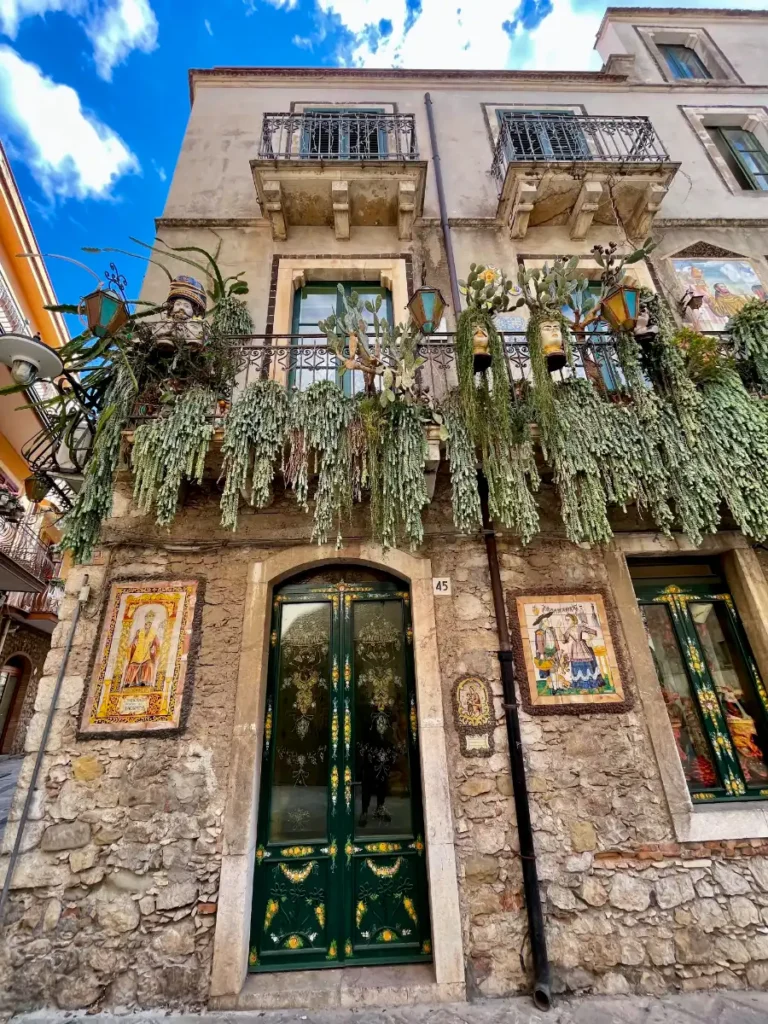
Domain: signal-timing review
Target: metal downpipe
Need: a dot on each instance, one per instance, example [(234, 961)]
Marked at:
[(455, 294), (542, 994), (82, 597)]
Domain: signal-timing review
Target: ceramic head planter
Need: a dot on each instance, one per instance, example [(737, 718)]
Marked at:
[(551, 339), (183, 322), (481, 349)]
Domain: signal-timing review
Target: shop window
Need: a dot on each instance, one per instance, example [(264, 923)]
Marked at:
[(683, 62), (714, 695), (310, 360)]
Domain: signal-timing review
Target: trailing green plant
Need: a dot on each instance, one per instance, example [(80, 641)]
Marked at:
[(93, 504), (663, 362), (254, 437), (168, 450), (403, 489), (460, 448), (735, 445), (749, 333), (319, 419)]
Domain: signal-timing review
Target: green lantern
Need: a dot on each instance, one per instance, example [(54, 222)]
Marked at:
[(105, 312), (426, 307), (36, 487), (621, 307)]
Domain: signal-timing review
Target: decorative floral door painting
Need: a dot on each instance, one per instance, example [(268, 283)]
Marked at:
[(340, 871), (715, 698)]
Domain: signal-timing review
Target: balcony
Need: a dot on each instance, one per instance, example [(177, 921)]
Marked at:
[(339, 169), (40, 610), (25, 561), (558, 169)]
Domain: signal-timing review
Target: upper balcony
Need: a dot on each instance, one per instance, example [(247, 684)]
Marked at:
[(562, 168), (25, 561), (339, 169)]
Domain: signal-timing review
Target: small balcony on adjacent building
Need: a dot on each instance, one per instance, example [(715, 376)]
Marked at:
[(26, 564), (339, 169), (563, 168)]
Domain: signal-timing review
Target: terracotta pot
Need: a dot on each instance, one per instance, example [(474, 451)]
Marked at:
[(551, 334), (481, 350)]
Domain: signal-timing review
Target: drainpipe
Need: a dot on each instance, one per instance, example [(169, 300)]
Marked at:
[(542, 996), (82, 597), (455, 294)]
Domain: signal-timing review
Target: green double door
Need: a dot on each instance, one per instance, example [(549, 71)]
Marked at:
[(340, 874)]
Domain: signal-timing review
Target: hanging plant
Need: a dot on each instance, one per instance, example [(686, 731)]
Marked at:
[(169, 449), (460, 449), (231, 318), (93, 504), (735, 444), (664, 362), (749, 333), (403, 489), (319, 419), (254, 436)]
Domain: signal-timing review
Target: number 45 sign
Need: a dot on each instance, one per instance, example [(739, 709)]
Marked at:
[(441, 586)]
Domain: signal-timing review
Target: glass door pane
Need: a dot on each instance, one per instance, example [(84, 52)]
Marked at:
[(381, 766), (690, 738), (734, 686), (299, 792)]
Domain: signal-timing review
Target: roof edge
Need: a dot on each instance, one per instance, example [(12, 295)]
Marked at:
[(396, 74), (624, 13)]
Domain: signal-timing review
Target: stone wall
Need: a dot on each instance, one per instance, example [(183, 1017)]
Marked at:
[(114, 900), (34, 646)]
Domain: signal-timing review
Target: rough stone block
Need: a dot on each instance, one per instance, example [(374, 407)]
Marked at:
[(583, 837), (628, 893), (118, 914), (179, 894), (175, 939), (68, 835), (673, 890)]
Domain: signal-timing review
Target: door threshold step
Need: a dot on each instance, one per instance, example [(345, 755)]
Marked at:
[(399, 985)]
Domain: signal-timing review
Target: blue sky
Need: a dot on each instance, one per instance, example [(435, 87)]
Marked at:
[(94, 96)]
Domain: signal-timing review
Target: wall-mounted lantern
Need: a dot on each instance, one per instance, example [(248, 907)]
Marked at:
[(427, 306)]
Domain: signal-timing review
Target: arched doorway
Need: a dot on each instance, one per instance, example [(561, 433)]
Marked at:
[(340, 875), (14, 680)]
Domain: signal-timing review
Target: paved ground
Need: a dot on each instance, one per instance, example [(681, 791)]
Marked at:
[(717, 1008), (9, 771)]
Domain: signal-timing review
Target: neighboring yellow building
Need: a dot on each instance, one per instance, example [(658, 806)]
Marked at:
[(28, 602)]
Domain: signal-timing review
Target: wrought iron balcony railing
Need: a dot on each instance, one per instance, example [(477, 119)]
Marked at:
[(336, 135), (557, 138), (300, 360), (21, 543)]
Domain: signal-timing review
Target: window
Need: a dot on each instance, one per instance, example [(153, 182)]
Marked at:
[(344, 134), (311, 361), (683, 62), (715, 698), (745, 157), (542, 135)]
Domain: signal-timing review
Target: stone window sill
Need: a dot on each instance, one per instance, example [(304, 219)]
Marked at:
[(721, 822)]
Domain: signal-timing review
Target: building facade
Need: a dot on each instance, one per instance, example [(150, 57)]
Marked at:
[(29, 603), (225, 863)]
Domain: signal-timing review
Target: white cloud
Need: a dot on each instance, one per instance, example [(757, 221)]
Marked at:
[(564, 40), (303, 42), (118, 29), (12, 12), (284, 5), (446, 34), (70, 153), (208, 28), (160, 171)]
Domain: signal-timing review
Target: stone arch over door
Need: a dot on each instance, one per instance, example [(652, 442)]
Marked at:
[(230, 953)]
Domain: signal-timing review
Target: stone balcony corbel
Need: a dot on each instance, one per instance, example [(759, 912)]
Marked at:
[(340, 199), (648, 205), (584, 209), (273, 207), (406, 210), (523, 203)]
